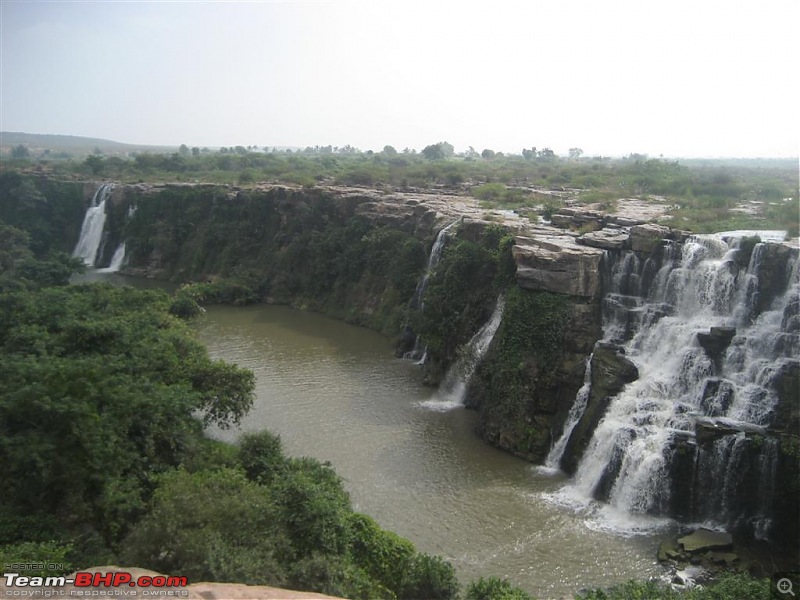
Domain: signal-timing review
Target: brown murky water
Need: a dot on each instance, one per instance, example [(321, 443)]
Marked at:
[(335, 392)]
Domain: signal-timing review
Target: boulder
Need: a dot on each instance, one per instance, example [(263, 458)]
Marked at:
[(669, 550), (607, 239), (717, 396), (611, 371), (556, 263), (708, 430), (704, 539), (648, 237), (575, 217), (715, 342)]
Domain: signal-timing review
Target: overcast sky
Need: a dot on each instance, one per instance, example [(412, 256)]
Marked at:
[(679, 78)]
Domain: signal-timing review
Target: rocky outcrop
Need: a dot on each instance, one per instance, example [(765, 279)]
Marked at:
[(200, 591), (606, 239), (716, 342), (611, 371), (787, 386), (646, 238), (706, 539), (556, 263)]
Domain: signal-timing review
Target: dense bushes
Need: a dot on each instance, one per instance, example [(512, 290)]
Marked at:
[(461, 292), (104, 458), (289, 247)]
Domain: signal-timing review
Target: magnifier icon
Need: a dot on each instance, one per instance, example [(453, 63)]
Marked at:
[(785, 586)]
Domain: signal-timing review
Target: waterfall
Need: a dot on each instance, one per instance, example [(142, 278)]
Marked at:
[(92, 229), (708, 337), (116, 260), (419, 352), (553, 460), (453, 389)]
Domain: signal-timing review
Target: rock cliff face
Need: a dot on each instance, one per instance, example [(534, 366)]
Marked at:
[(358, 254)]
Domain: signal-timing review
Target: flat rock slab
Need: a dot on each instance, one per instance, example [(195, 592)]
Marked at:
[(706, 539), (194, 591)]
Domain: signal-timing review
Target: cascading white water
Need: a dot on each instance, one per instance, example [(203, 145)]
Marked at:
[(92, 229), (116, 261), (453, 388), (553, 460), (628, 461), (420, 352)]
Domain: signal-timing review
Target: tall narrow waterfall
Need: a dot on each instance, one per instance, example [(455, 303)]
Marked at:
[(453, 389), (710, 338), (553, 460), (92, 229), (418, 299)]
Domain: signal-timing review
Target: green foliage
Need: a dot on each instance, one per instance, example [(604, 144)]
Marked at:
[(20, 269), (20, 151), (430, 577), (49, 212), (438, 151), (522, 365), (261, 456), (384, 555), (50, 556), (727, 587), (211, 525), (458, 298), (98, 388), (493, 588)]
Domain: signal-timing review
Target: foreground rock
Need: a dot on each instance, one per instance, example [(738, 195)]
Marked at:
[(705, 539), (200, 591)]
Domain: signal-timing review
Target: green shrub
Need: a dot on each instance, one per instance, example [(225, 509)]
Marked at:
[(493, 588), (430, 577)]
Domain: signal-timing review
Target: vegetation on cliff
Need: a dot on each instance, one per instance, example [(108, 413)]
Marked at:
[(701, 195), (104, 458)]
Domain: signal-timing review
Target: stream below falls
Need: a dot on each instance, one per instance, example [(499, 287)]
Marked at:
[(335, 392)]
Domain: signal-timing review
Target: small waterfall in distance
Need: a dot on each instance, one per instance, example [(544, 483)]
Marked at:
[(453, 390), (92, 229), (116, 261), (419, 352), (662, 316)]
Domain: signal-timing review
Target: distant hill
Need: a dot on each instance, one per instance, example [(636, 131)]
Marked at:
[(62, 145)]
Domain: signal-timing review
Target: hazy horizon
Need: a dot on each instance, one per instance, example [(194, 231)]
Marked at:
[(684, 79)]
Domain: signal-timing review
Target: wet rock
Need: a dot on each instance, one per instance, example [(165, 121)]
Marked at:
[(770, 265), (708, 430), (611, 371), (715, 342), (704, 539), (717, 396), (726, 559), (669, 550), (787, 386)]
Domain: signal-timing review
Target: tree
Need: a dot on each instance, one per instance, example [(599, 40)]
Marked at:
[(389, 151), (575, 153), (438, 151), (488, 154), (183, 150), (20, 151)]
